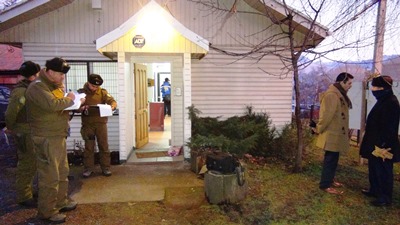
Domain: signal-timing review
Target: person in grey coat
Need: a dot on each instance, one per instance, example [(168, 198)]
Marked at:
[(380, 144)]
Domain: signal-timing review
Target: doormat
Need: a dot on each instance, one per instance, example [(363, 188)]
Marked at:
[(141, 155)]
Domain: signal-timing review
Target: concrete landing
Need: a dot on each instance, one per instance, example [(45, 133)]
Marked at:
[(133, 182)]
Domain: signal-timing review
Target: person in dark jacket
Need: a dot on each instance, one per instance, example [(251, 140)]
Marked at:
[(17, 123), (380, 144)]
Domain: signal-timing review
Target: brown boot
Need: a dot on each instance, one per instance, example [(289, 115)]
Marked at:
[(332, 191), (56, 218)]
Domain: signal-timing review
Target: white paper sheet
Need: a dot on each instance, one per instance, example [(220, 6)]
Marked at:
[(105, 110), (77, 101)]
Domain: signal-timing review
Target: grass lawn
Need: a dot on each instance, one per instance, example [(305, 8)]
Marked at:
[(277, 196)]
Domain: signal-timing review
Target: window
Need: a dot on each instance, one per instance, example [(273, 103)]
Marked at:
[(77, 76)]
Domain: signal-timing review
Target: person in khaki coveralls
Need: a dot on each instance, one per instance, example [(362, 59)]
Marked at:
[(333, 129), (95, 127), (49, 126), (16, 122)]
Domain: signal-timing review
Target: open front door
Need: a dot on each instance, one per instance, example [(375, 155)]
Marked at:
[(141, 105)]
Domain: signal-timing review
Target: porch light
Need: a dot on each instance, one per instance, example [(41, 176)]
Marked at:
[(154, 28)]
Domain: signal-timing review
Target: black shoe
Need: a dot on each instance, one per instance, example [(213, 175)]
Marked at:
[(368, 193), (30, 203), (379, 203), (69, 207)]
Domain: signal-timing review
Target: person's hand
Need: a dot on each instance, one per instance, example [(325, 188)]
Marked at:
[(313, 127), (314, 130), (83, 100), (382, 153), (83, 108), (71, 95)]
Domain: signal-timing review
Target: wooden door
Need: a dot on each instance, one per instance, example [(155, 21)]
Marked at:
[(141, 105)]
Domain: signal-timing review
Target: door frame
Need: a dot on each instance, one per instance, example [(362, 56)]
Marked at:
[(181, 125)]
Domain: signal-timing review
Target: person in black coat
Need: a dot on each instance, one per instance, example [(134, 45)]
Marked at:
[(381, 136)]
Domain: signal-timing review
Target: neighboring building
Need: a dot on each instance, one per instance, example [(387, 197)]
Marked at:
[(110, 37)]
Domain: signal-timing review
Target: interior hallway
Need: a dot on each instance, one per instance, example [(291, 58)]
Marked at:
[(158, 141)]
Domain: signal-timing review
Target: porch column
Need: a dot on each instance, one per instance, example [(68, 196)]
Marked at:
[(187, 101)]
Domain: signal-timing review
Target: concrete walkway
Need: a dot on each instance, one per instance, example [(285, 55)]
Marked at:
[(133, 182)]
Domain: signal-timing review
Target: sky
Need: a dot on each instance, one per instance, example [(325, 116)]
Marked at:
[(359, 32)]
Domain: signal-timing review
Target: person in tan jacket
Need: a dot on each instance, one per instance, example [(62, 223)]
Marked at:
[(49, 124), (16, 122), (333, 129), (94, 127)]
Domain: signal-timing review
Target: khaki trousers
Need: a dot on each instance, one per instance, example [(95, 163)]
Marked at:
[(90, 133), (26, 167), (53, 170)]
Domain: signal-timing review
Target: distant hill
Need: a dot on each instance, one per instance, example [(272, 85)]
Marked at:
[(391, 66)]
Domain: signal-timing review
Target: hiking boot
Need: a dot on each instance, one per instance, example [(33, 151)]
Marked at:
[(87, 173), (71, 205), (30, 203), (107, 172), (56, 218)]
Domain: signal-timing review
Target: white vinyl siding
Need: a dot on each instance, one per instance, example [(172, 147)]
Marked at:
[(222, 88), (40, 52), (218, 84)]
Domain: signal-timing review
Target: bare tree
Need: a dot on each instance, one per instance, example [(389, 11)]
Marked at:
[(288, 46)]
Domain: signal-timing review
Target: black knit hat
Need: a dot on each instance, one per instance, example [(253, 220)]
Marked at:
[(382, 81), (95, 79), (58, 65), (29, 68)]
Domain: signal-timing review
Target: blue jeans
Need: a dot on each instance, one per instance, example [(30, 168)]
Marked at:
[(331, 160)]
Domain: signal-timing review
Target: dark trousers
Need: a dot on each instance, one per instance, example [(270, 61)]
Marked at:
[(331, 160), (167, 108), (381, 178)]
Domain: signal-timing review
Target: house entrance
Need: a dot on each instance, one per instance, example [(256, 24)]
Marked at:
[(159, 125)]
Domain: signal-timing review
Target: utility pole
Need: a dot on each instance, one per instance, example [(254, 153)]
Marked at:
[(377, 62)]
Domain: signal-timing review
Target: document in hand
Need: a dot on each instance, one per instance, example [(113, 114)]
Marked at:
[(105, 110), (77, 101)]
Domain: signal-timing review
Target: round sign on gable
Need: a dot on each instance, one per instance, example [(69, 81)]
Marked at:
[(138, 41)]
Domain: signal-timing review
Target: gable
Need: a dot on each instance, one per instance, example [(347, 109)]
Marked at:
[(159, 31)]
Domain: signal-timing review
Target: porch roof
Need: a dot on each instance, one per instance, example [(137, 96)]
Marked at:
[(181, 39), (29, 10)]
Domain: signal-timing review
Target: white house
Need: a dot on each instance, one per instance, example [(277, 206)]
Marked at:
[(122, 40)]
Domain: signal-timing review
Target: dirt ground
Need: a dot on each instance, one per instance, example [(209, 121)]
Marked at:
[(98, 214)]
